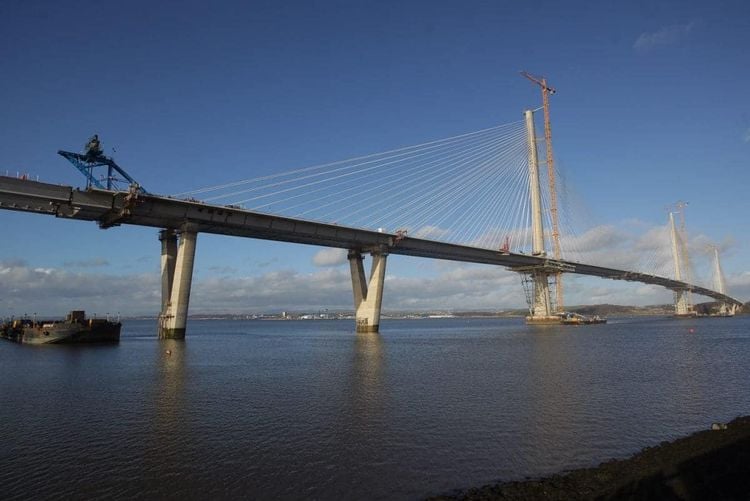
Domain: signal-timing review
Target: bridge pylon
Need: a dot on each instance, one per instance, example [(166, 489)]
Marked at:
[(541, 309), (682, 306), (177, 258), (725, 309), (368, 297)]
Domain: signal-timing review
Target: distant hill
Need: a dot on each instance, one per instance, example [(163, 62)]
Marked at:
[(590, 310), (618, 310), (713, 307)]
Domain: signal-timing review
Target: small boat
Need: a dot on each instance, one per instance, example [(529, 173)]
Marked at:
[(76, 328), (568, 318)]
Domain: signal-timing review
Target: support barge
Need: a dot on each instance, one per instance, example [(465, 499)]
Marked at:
[(76, 328)]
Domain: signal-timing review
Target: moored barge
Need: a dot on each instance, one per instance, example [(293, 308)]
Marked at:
[(578, 319), (76, 328)]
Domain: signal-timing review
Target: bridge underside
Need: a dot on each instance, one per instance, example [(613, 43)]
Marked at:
[(113, 208)]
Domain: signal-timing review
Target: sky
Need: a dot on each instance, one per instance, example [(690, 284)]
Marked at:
[(651, 108)]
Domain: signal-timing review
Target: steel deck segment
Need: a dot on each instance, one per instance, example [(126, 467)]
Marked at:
[(110, 208)]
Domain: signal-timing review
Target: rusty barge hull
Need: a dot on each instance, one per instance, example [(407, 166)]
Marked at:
[(74, 329)]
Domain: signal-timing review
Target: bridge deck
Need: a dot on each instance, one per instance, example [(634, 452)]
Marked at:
[(112, 208)]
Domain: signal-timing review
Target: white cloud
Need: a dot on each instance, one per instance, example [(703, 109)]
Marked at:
[(330, 257), (286, 289), (444, 285), (431, 232), (739, 285), (746, 137), (664, 36), (53, 291), (615, 247), (644, 250)]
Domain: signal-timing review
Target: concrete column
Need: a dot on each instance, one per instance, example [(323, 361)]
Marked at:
[(368, 298), (541, 309), (375, 290), (720, 285), (675, 249), (542, 303), (724, 308), (535, 189), (359, 283), (681, 302), (168, 239), (173, 323)]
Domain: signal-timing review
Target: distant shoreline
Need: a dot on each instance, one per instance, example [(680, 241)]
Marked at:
[(709, 464), (602, 310)]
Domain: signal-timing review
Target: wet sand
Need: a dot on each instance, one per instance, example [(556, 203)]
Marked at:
[(710, 465)]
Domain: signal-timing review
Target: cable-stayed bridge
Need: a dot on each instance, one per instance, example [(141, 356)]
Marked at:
[(478, 197)]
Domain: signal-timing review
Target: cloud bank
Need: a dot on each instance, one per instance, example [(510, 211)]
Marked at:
[(443, 285), (664, 36), (330, 257)]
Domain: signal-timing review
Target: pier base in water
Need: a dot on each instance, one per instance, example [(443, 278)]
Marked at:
[(363, 327), (165, 333), (543, 320), (689, 314)]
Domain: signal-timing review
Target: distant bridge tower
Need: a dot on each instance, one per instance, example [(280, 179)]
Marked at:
[(541, 309), (720, 285), (682, 306)]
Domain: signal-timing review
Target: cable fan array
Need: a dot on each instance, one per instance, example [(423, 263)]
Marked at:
[(470, 189)]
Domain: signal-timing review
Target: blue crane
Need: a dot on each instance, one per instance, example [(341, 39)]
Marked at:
[(95, 158)]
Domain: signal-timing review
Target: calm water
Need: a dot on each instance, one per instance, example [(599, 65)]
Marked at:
[(292, 410)]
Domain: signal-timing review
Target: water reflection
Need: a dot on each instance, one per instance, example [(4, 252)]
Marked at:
[(367, 390), (170, 364), (167, 428), (555, 395), (687, 394)]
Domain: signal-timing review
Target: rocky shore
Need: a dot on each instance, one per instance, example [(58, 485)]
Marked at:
[(713, 465)]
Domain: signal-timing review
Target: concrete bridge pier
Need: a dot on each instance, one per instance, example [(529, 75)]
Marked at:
[(176, 279), (168, 239), (541, 306), (727, 309), (368, 298), (682, 304)]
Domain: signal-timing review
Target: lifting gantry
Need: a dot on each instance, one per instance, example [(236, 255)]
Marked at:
[(93, 158)]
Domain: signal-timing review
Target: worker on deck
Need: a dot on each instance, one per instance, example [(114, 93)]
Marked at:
[(93, 148)]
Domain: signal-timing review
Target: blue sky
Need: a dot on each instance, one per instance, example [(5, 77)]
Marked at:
[(651, 108)]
